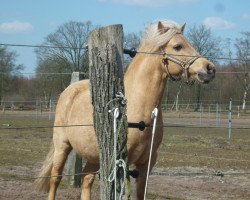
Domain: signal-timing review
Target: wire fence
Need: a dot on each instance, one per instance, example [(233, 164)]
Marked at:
[(175, 125), (219, 173), (207, 115), (8, 177), (204, 114), (87, 74), (18, 177), (22, 178), (133, 51)]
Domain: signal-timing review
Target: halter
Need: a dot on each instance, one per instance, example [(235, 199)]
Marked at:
[(184, 65)]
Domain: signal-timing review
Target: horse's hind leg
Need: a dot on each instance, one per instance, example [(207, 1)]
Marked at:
[(60, 155), (88, 178)]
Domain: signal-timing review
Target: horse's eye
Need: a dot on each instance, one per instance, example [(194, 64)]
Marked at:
[(177, 47)]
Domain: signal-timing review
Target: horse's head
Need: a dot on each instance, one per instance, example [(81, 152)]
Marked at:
[(179, 57)]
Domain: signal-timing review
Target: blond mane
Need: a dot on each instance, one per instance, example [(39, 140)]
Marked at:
[(154, 39)]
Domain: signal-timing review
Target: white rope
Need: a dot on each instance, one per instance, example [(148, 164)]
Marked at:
[(121, 163), (154, 117), (116, 115), (117, 163), (112, 177)]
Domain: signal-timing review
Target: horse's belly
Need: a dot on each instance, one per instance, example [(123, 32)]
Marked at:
[(83, 141)]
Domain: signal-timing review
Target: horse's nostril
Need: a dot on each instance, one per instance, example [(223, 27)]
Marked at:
[(210, 69)]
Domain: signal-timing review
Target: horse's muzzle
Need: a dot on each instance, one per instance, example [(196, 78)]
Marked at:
[(206, 77)]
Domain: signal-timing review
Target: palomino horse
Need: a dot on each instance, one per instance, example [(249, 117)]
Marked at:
[(145, 82)]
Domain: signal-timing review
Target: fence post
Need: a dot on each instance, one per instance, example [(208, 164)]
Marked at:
[(217, 115), (201, 113), (230, 119), (74, 162), (36, 110), (50, 109), (238, 111), (106, 76), (41, 107)]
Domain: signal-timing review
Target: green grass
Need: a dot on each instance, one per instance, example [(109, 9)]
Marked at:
[(23, 147), (196, 147), (205, 147)]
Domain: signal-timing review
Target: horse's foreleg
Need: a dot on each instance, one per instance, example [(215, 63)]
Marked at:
[(88, 180), (141, 180), (59, 160)]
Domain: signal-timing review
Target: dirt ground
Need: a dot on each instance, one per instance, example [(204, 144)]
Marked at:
[(167, 185), (172, 178)]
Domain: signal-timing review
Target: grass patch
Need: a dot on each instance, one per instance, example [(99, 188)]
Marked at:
[(181, 147), (24, 147), (204, 147)]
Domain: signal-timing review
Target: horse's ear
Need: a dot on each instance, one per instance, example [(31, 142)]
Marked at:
[(161, 28), (182, 27)]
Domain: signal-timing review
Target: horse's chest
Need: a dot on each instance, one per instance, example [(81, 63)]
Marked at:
[(139, 144)]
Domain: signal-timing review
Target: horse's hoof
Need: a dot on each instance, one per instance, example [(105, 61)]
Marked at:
[(134, 173)]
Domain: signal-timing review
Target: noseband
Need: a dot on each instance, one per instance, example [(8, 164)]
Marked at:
[(184, 65)]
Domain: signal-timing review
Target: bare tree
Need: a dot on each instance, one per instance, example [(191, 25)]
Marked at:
[(243, 53), (131, 41), (204, 42), (68, 46), (8, 68), (207, 45), (48, 83), (228, 52)]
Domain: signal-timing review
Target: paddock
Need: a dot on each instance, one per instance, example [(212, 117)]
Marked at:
[(202, 155), (196, 161)]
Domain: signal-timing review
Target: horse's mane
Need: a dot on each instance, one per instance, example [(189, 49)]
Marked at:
[(154, 39)]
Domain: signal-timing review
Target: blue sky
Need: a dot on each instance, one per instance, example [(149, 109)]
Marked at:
[(30, 21)]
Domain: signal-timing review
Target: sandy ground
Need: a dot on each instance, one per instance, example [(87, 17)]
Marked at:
[(170, 184)]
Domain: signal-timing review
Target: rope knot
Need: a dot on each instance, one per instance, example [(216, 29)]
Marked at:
[(120, 96)]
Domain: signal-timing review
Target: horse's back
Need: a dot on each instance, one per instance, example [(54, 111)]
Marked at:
[(67, 100)]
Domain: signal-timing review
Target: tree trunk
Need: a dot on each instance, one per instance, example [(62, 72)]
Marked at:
[(198, 98), (247, 86)]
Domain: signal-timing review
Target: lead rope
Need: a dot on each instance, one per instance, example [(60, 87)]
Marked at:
[(116, 115), (120, 163), (154, 117)]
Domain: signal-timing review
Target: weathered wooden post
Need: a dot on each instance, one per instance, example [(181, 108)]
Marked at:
[(230, 119), (106, 77), (74, 162)]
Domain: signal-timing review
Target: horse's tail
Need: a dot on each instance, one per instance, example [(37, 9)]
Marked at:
[(43, 180)]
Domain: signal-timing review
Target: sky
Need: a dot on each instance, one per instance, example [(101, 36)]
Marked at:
[(30, 21)]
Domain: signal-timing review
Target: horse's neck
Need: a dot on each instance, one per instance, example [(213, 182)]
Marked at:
[(144, 87)]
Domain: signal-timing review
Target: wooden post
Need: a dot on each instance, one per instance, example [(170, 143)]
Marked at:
[(106, 77), (50, 108), (230, 119), (74, 162), (217, 114)]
